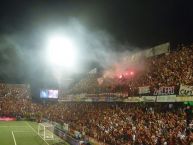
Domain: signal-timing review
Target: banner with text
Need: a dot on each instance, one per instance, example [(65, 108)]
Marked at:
[(164, 91), (186, 90)]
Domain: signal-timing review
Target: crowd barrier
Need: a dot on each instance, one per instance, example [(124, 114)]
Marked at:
[(178, 93), (158, 98)]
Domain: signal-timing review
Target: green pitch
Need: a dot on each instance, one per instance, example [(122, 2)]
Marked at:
[(24, 133)]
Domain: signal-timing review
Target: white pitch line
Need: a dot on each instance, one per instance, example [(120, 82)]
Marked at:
[(14, 138), (36, 132), (13, 126), (23, 131)]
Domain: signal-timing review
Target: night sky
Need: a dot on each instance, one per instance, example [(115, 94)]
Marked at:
[(141, 23), (135, 22)]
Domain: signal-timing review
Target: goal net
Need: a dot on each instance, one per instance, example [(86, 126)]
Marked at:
[(46, 131)]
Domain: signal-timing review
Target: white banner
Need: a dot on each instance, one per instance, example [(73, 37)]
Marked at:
[(148, 52), (168, 98), (184, 99), (186, 90), (93, 71), (149, 98), (100, 80), (132, 99), (144, 90), (161, 49), (65, 126)]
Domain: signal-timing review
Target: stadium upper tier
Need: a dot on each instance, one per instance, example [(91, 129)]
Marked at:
[(171, 69), (158, 75)]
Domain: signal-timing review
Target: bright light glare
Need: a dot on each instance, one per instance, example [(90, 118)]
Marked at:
[(61, 51), (131, 73)]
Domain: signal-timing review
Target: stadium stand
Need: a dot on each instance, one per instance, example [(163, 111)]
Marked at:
[(118, 123), (170, 69)]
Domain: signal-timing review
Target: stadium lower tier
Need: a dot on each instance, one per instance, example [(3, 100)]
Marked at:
[(112, 123)]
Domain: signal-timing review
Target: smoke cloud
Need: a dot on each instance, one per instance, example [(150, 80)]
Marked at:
[(101, 48), (22, 54)]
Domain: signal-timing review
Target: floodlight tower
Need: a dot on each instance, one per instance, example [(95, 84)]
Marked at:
[(61, 51)]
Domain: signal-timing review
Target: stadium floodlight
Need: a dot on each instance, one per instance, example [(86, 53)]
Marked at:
[(61, 51)]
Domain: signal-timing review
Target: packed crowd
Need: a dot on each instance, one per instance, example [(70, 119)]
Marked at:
[(117, 123), (120, 124), (170, 69), (111, 123), (14, 90)]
